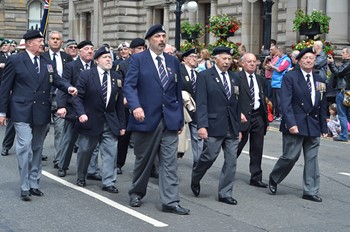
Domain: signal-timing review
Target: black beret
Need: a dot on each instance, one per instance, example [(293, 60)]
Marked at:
[(106, 45), (189, 52), (71, 42), (102, 50), (137, 42), (154, 29), (303, 52), (6, 41), (220, 50), (33, 34), (13, 42), (84, 43)]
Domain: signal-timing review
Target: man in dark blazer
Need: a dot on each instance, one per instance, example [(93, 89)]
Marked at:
[(254, 115), (4, 54), (25, 98), (65, 110), (304, 111), (101, 119), (153, 90), (189, 77), (59, 59), (218, 122)]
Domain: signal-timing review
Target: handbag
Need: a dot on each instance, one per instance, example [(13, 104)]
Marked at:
[(346, 100)]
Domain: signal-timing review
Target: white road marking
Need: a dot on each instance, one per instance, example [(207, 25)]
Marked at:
[(344, 173), (107, 201), (264, 156)]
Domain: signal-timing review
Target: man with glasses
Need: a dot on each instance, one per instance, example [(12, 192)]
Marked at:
[(304, 111), (71, 49), (189, 77)]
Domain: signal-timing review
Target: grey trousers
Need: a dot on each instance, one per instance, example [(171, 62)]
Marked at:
[(196, 142), (29, 148), (211, 150), (147, 145), (108, 150), (292, 145)]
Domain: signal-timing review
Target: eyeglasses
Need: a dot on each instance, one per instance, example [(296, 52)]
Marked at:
[(72, 47)]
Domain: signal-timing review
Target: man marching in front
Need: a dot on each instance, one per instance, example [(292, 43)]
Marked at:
[(153, 90), (303, 122)]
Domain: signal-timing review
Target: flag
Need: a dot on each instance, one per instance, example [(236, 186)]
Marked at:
[(45, 18)]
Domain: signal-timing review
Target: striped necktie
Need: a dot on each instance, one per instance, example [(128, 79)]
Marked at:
[(251, 88), (193, 80), (36, 65), (162, 73), (308, 82), (227, 89), (104, 86)]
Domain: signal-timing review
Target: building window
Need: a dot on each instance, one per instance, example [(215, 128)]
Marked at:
[(35, 13), (88, 26)]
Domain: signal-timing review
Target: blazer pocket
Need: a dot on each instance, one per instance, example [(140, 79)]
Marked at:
[(19, 99), (212, 116)]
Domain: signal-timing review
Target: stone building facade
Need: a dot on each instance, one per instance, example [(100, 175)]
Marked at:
[(115, 21)]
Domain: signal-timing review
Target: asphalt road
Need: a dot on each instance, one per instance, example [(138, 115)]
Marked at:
[(66, 207)]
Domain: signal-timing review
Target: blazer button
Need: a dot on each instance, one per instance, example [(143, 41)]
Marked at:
[(302, 103), (34, 102), (43, 91)]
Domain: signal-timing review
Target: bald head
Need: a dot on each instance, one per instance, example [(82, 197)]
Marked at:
[(249, 63)]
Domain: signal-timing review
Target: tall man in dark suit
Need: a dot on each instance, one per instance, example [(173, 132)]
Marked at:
[(25, 98), (153, 90), (100, 111), (218, 122), (254, 115), (189, 77), (65, 110), (136, 46), (59, 59), (303, 122)]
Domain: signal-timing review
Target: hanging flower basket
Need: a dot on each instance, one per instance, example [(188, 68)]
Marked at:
[(190, 32), (223, 26), (314, 30), (302, 19)]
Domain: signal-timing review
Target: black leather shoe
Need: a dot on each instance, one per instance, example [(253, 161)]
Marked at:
[(81, 183), (55, 166), (119, 171), (135, 201), (196, 189), (36, 192), (272, 186), (312, 198), (258, 183), (5, 152), (94, 177), (25, 196), (44, 158), (175, 209), (110, 189), (228, 200), (62, 173)]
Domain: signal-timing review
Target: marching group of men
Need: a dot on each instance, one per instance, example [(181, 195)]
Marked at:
[(100, 100)]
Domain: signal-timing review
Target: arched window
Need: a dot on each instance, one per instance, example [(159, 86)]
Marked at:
[(35, 13)]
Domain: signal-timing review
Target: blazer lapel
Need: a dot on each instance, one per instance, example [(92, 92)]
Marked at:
[(30, 66), (96, 80), (153, 68), (303, 85), (217, 78), (244, 82)]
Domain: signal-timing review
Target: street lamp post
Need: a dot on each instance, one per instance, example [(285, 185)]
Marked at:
[(191, 7), (267, 28)]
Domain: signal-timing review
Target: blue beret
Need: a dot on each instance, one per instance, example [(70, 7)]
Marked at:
[(303, 52), (137, 42), (220, 50), (154, 30), (84, 43), (102, 50), (33, 34), (189, 52)]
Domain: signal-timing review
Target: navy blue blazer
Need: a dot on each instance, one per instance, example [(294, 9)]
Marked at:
[(90, 102), (71, 73), (30, 100), (246, 102), (214, 111), (297, 108), (142, 88)]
